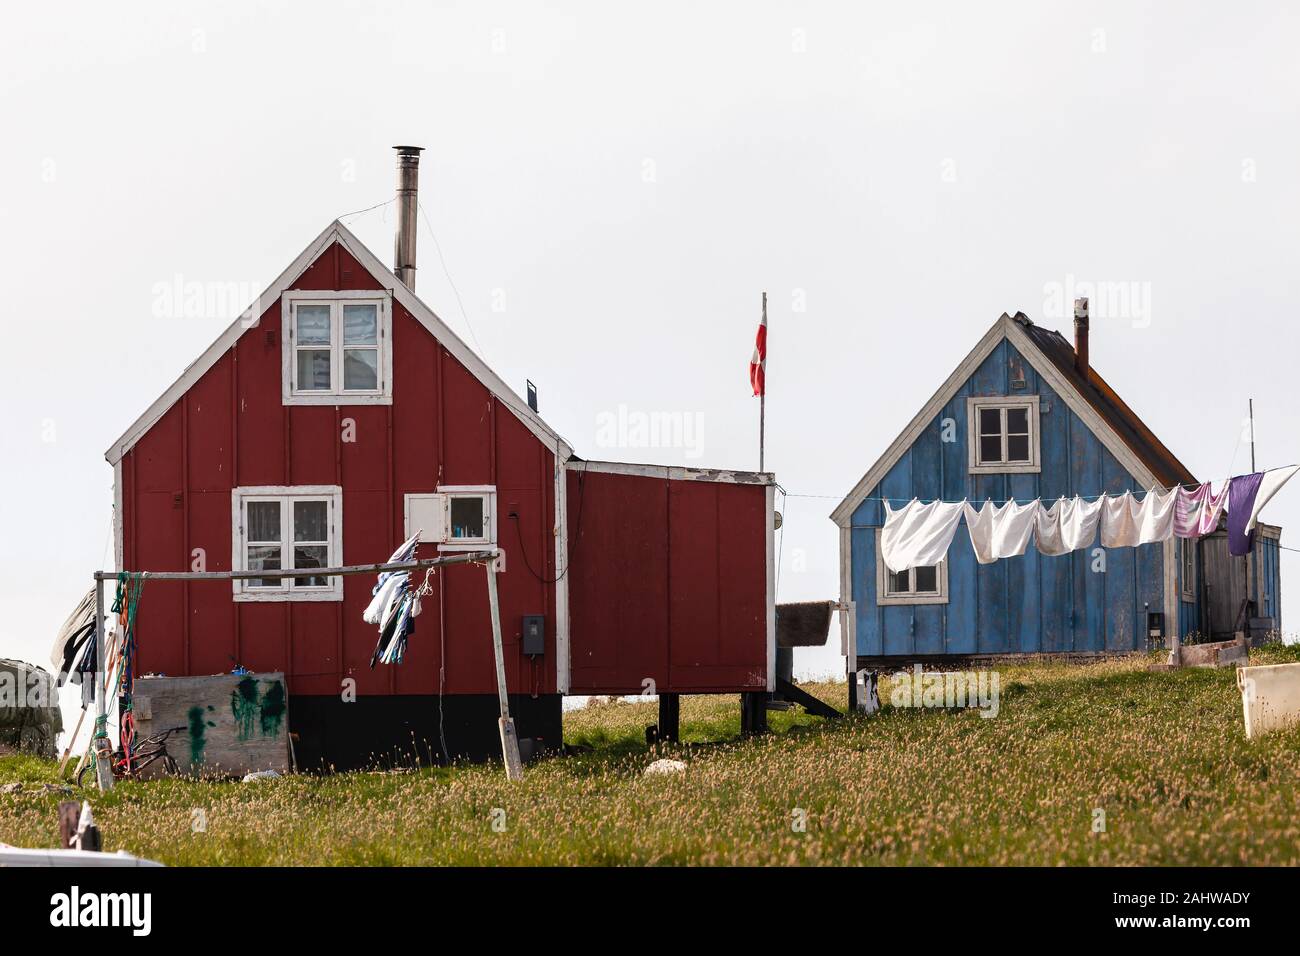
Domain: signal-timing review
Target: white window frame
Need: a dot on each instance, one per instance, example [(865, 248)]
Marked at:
[(884, 597), (441, 500), (286, 495), (489, 495), (1187, 569), (977, 467), (336, 395)]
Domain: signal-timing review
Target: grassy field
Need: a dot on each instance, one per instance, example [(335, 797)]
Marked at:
[(1162, 755)]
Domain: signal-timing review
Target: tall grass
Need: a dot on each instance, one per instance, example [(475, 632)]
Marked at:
[(1162, 756)]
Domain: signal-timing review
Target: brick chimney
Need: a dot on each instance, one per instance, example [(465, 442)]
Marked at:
[(1081, 337)]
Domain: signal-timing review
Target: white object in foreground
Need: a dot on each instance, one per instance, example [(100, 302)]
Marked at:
[(1270, 697), (665, 765), (17, 856)]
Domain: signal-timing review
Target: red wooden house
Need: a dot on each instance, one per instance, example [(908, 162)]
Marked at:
[(339, 414)]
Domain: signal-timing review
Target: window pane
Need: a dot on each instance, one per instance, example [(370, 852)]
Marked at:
[(1017, 421), (990, 421), (990, 449), (361, 369), (899, 582), (1018, 448), (313, 370), (361, 324), (310, 556), (466, 517), (263, 521), (310, 521), (927, 580), (313, 324), (263, 558)]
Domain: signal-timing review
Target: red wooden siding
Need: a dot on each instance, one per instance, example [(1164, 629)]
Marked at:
[(668, 583), (231, 429)]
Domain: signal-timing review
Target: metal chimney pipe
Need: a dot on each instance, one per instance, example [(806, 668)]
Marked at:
[(1081, 337), (408, 211)]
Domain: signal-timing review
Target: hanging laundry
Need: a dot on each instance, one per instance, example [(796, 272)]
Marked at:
[(1242, 492), (1155, 516), (1001, 531), (1047, 529), (1272, 481), (918, 535), (1079, 521), (391, 607), (1197, 513), (1119, 521)]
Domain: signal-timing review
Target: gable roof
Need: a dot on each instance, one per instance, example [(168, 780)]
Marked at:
[(337, 232), (1116, 426), (1166, 467)]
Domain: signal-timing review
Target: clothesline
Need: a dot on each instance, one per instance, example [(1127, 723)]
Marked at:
[(1190, 486), (919, 533)]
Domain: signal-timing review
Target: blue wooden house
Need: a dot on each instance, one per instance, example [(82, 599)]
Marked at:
[(1025, 417)]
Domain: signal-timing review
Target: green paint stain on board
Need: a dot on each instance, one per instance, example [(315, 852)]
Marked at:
[(272, 708), (254, 710), (198, 735), (244, 707)]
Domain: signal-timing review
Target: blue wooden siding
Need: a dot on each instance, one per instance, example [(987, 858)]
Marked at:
[(1189, 612), (1267, 583), (1025, 604)]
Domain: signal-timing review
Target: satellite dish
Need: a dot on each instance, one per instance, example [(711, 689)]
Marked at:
[(776, 520)]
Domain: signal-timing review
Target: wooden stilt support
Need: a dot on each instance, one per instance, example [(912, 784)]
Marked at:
[(670, 712), (753, 713), (509, 741)]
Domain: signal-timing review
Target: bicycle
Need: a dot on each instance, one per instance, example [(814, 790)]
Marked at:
[(146, 752)]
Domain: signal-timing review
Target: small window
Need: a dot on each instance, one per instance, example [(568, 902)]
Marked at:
[(337, 348), (456, 517), (920, 585), (1003, 434), (1187, 575), (293, 528)]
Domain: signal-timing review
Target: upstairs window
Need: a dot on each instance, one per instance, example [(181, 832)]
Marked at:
[(1003, 434), (287, 528), (337, 348)]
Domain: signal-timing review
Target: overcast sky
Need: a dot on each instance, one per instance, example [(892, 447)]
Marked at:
[(613, 185)]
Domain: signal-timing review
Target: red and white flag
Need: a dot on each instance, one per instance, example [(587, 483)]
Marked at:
[(758, 363)]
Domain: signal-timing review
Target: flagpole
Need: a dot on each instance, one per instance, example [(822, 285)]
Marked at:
[(762, 400)]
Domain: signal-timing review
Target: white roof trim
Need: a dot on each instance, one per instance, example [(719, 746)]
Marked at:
[(337, 232), (672, 472), (1004, 328)]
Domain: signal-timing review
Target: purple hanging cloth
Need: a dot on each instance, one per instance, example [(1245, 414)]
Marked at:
[(1241, 502)]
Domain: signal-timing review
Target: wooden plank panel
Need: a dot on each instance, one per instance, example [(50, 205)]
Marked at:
[(233, 724)]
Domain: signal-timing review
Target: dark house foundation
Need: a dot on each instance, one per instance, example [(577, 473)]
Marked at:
[(405, 730)]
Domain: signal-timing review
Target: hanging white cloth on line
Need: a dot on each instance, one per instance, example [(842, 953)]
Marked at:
[(918, 535), (1119, 521), (1002, 531), (1068, 525), (1156, 516), (1047, 529), (1269, 485)]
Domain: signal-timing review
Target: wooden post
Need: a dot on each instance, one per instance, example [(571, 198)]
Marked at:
[(509, 741), (762, 398), (103, 748), (670, 713)]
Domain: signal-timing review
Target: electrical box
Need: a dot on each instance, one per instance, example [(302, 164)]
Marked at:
[(1155, 624), (534, 635)]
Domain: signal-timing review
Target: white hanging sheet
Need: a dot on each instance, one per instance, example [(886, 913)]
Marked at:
[(1002, 531), (918, 535)]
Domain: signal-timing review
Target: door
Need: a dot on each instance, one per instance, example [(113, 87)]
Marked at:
[(1225, 586)]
